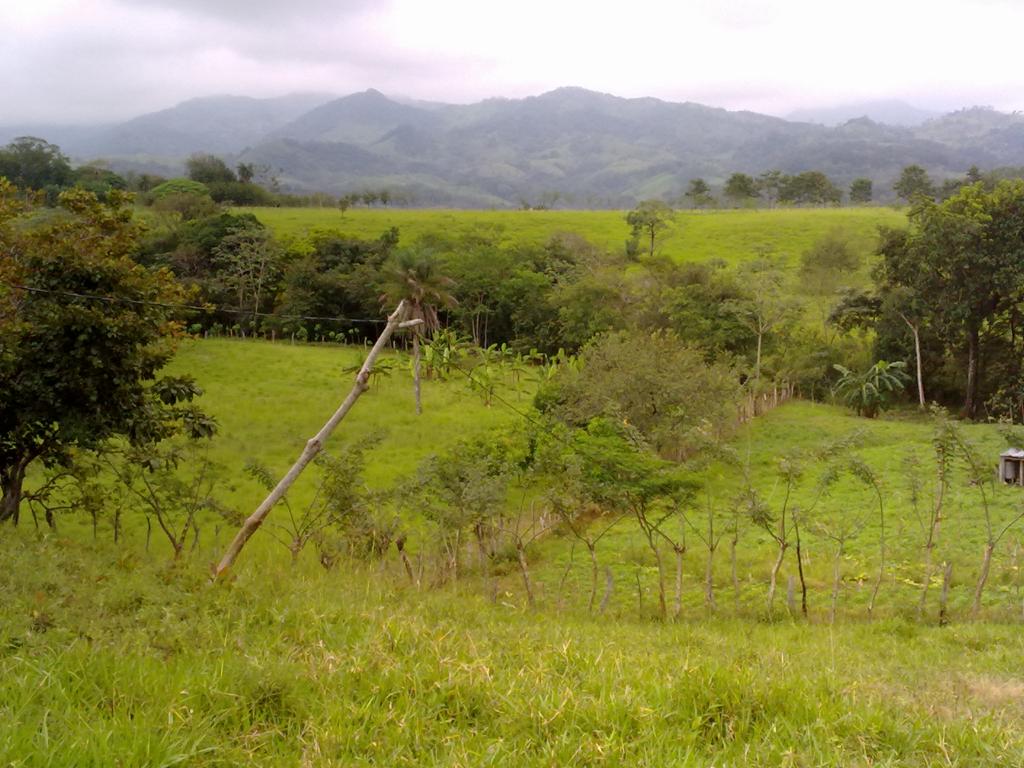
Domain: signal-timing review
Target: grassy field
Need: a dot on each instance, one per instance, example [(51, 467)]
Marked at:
[(269, 398), (110, 655), (731, 236), (885, 446), (108, 658)]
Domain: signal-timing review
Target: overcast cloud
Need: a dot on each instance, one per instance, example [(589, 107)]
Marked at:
[(104, 60)]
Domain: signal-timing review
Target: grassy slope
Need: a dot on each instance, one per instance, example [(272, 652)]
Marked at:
[(108, 659), (885, 445), (111, 656), (270, 398), (696, 236)]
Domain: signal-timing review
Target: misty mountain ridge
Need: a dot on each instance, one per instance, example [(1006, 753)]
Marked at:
[(887, 111), (592, 149)]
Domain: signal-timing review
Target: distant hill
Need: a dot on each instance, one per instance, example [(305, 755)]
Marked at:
[(890, 112), (220, 124), (583, 147)]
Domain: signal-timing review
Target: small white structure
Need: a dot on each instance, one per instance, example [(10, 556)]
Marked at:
[(1011, 466)]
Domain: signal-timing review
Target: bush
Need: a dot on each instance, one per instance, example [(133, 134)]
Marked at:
[(239, 193), (177, 187)]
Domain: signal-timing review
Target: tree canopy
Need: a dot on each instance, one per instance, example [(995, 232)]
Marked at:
[(914, 182), (959, 264), (76, 371), (32, 163)]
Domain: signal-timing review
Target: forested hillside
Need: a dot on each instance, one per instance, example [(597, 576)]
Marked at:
[(569, 147)]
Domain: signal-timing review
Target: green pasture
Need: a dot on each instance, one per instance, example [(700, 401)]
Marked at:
[(729, 235), (898, 449), (108, 657), (112, 655), (269, 398)]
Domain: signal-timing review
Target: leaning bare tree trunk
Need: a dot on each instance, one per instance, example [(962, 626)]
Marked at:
[(986, 564), (609, 587), (970, 400), (928, 571), (920, 369), (800, 570), (565, 576), (313, 447)]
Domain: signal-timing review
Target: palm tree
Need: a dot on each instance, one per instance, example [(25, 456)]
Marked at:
[(414, 275), (871, 391)]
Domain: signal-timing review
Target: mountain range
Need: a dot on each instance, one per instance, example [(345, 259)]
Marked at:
[(578, 146)]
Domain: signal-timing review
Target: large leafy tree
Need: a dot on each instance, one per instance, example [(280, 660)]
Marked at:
[(861, 191), (658, 385), (699, 193), (33, 163), (913, 183), (809, 188), (75, 369), (960, 262), (415, 276), (209, 169), (741, 188)]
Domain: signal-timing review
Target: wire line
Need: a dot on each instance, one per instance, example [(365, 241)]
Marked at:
[(189, 307)]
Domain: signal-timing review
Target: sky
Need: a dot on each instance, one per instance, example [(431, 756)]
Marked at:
[(88, 61)]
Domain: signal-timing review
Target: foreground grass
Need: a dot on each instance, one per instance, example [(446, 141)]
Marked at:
[(107, 658), (731, 236), (112, 656)]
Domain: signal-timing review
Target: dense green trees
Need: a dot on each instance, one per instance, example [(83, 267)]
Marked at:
[(959, 267), (809, 188), (75, 371), (334, 276), (740, 188), (223, 184), (698, 193), (663, 388), (914, 182), (209, 169), (861, 191), (32, 163), (769, 184)]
